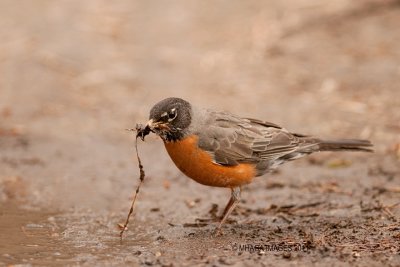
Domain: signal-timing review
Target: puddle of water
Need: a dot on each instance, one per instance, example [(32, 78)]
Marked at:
[(44, 238), (29, 237)]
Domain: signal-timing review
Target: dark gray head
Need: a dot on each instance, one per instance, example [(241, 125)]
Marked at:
[(170, 117)]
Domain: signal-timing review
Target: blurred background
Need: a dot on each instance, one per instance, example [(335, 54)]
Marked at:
[(75, 74)]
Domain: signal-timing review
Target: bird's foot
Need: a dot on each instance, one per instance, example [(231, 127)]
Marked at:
[(217, 232)]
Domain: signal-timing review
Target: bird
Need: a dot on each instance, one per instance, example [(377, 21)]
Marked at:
[(220, 149)]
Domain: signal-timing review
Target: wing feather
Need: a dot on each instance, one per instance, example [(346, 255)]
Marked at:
[(232, 140)]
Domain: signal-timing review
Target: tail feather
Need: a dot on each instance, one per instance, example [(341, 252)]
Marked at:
[(345, 144), (311, 145)]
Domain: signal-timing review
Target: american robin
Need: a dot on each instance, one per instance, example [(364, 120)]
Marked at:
[(224, 150)]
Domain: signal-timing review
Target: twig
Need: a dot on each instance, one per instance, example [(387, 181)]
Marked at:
[(382, 208), (308, 205), (141, 132)]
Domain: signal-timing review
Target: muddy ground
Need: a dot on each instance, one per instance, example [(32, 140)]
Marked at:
[(75, 74)]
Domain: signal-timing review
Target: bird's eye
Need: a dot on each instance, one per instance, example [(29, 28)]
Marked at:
[(172, 114)]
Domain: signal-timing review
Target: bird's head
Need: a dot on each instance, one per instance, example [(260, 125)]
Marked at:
[(170, 118)]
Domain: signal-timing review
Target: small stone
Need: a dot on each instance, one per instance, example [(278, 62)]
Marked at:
[(287, 255)]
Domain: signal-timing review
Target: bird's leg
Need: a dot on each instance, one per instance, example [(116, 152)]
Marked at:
[(233, 201), (228, 205)]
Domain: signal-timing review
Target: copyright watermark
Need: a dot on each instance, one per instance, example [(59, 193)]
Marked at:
[(270, 247)]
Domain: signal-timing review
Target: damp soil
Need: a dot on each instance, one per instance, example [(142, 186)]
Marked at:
[(75, 75)]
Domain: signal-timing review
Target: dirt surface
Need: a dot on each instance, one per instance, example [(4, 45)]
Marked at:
[(75, 74)]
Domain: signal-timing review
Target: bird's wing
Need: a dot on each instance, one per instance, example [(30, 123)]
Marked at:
[(232, 140)]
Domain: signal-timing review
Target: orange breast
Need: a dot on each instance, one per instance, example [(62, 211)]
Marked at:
[(199, 166)]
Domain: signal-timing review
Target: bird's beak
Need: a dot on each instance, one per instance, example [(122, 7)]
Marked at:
[(152, 125)]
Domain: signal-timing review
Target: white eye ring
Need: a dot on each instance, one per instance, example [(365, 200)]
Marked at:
[(172, 114)]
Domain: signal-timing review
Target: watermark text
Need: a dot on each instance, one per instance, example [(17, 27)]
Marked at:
[(270, 247)]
